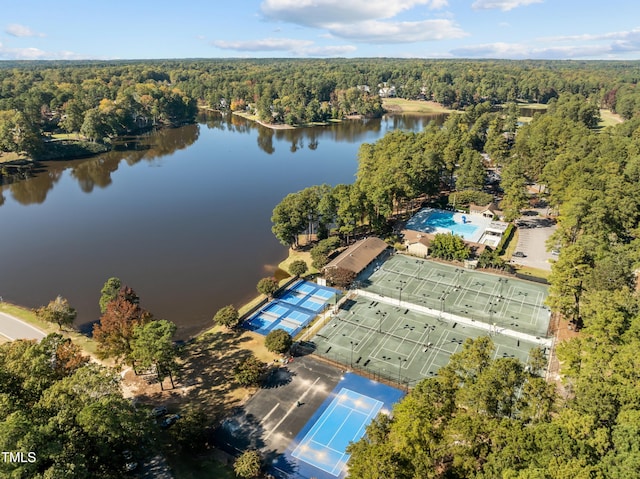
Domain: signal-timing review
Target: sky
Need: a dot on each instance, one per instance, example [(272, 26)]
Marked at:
[(149, 29)]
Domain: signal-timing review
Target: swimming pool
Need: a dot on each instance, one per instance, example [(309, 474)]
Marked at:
[(429, 220)]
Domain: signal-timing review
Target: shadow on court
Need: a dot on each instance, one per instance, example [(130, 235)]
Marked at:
[(277, 412)]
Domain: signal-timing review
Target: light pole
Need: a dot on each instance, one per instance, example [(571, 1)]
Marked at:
[(400, 288), (352, 345), (400, 368)]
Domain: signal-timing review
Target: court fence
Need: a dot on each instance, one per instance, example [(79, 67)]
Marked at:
[(257, 307), (304, 348)]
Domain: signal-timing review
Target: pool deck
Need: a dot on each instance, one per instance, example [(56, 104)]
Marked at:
[(421, 223)]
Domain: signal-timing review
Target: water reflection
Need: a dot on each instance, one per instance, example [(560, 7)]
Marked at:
[(191, 236), (97, 171), (351, 131)]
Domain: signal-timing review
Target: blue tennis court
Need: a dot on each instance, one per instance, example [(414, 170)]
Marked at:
[(319, 449), (292, 310), (343, 421)]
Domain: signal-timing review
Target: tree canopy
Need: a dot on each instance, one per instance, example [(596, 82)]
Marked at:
[(227, 316), (267, 286), (278, 341), (57, 311), (114, 333), (70, 412)]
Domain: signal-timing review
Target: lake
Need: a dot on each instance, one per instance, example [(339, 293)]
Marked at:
[(182, 215)]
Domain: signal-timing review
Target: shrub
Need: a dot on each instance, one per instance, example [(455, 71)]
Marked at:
[(248, 464)]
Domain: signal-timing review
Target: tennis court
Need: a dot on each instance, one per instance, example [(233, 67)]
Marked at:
[(319, 449), (507, 303), (292, 310), (401, 345)]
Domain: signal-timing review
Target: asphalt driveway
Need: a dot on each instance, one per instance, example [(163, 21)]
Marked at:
[(533, 233)]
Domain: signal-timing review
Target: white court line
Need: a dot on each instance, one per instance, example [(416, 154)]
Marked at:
[(270, 412), (294, 406)]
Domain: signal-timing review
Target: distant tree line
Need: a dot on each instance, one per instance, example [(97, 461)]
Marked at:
[(102, 100)]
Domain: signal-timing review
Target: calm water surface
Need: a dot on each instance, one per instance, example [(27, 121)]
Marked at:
[(181, 215)]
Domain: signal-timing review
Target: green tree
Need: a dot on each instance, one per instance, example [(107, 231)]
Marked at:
[(73, 117), (471, 174), (320, 252), (278, 341), (51, 383), (567, 279), (267, 286), (191, 433), (298, 267), (449, 246), (152, 344), (248, 371), (227, 316), (58, 311), (109, 292), (248, 464)]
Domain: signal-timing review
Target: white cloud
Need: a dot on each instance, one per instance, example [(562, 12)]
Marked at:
[(518, 51), (504, 5), (319, 12), (364, 20), (329, 51), (17, 30), (373, 31), (288, 45), (7, 53), (630, 35), (263, 45)]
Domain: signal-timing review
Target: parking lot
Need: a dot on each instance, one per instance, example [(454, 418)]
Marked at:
[(533, 233)]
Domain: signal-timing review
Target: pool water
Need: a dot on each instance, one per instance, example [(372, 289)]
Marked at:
[(437, 221)]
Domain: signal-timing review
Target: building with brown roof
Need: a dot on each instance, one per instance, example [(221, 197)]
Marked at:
[(359, 255)]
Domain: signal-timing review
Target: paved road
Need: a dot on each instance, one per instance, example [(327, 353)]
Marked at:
[(14, 328)]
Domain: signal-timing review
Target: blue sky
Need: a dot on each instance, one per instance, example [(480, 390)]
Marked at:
[(141, 29)]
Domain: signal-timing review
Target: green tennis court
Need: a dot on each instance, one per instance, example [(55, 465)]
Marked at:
[(505, 302), (402, 345), (404, 321)]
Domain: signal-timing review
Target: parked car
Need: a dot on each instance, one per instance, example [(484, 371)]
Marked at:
[(169, 420), (555, 252), (130, 465), (519, 254), (159, 411)]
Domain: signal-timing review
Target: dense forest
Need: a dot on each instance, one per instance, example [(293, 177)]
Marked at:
[(103, 100), (489, 418)]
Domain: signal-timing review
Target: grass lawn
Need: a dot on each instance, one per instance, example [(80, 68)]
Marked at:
[(402, 105), (88, 345), (66, 136), (534, 106), (11, 156), (296, 255), (608, 118), (534, 272)]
